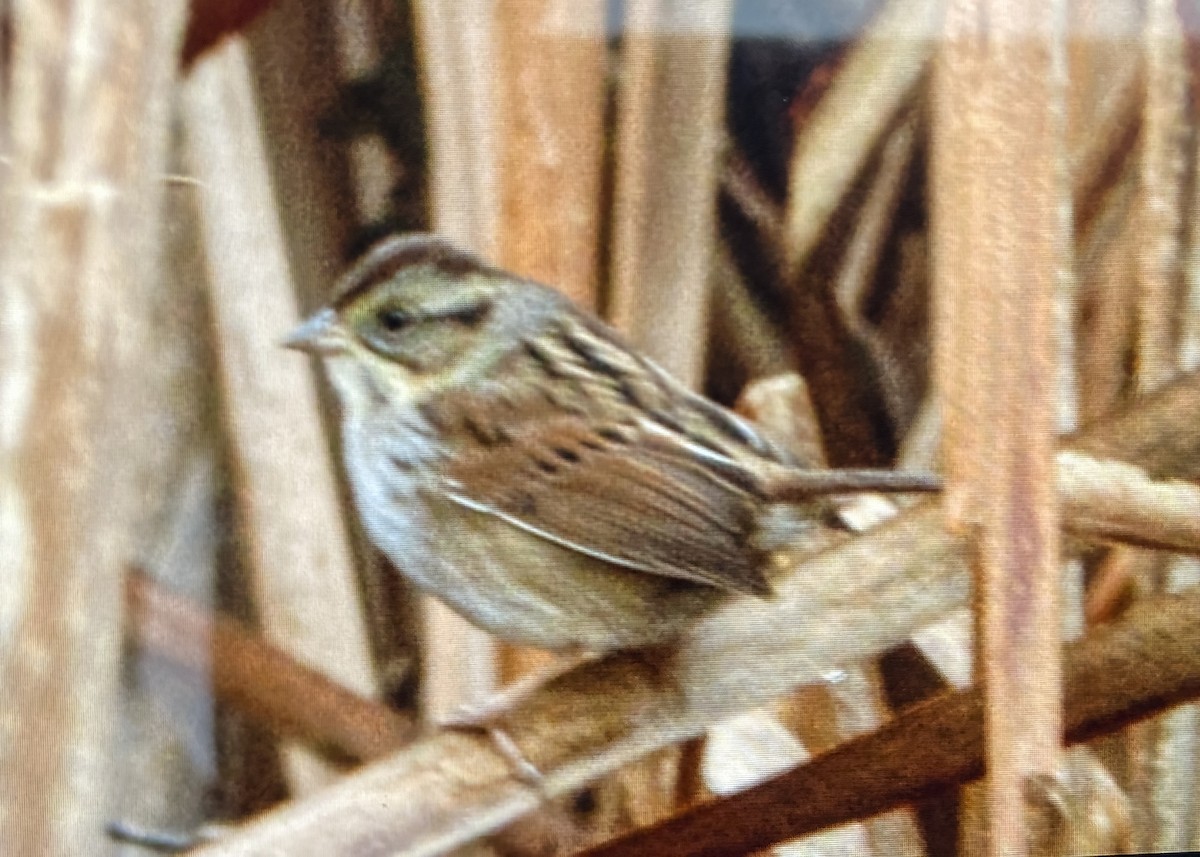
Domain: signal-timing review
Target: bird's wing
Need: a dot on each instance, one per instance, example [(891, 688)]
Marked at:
[(634, 494)]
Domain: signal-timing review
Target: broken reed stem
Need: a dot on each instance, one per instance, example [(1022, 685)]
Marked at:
[(1113, 677), (259, 680), (453, 788)]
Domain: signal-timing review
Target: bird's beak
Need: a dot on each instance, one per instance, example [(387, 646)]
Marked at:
[(319, 334)]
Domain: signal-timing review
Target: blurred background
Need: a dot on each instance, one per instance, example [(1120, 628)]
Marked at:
[(764, 195)]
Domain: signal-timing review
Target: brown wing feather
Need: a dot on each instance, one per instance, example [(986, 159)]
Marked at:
[(610, 492)]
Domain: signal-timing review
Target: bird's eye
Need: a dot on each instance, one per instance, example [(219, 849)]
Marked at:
[(393, 319)]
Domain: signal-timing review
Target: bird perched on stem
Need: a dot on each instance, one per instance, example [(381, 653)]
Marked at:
[(514, 457)]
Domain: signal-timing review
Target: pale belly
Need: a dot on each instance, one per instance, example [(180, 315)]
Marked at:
[(526, 589), (519, 586)]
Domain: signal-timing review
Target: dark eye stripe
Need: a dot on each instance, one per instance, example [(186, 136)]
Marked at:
[(471, 315), (393, 319)]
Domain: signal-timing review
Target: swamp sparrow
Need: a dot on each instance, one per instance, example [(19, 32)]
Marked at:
[(514, 457)]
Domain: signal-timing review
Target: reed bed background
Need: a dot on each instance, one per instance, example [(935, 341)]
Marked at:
[(929, 234)]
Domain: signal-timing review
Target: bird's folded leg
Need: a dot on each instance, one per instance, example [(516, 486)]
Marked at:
[(485, 716)]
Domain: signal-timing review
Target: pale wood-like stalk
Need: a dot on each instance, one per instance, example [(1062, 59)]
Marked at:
[(1106, 295), (852, 702), (669, 134), (550, 95), (1112, 677), (1159, 209), (1158, 219), (455, 44), (1001, 235), (873, 227), (1104, 94), (297, 552), (1105, 98), (455, 48), (331, 187), (1126, 505), (670, 117), (85, 122)]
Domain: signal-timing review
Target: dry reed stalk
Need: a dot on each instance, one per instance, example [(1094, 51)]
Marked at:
[(669, 133), (1189, 334), (1001, 236), (455, 49), (1104, 306), (455, 52), (258, 679), (870, 88), (1160, 199), (550, 93), (874, 222), (164, 710), (873, 226), (332, 186), (853, 430), (86, 120), (742, 332), (453, 788), (670, 129), (297, 553), (1128, 506), (1185, 804), (753, 202), (878, 77), (1158, 220), (1105, 94)]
